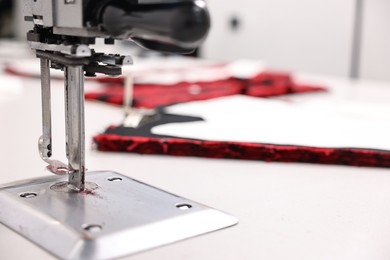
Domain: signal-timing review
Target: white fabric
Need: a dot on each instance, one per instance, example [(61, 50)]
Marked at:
[(322, 123)]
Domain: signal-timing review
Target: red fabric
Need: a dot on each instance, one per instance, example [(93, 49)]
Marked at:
[(247, 151), (12, 71), (150, 96), (265, 84)]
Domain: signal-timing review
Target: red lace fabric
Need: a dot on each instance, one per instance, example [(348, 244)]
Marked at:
[(265, 84), (246, 151)]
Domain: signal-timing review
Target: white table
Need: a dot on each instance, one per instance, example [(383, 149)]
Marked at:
[(286, 210)]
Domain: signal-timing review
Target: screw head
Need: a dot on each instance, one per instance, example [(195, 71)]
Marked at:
[(27, 195), (184, 206)]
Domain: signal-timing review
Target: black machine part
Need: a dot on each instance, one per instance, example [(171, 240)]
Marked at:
[(170, 26)]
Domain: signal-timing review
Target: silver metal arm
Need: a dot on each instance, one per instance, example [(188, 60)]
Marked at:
[(45, 140), (45, 144), (75, 129)]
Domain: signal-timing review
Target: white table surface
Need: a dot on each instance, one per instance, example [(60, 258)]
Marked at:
[(286, 210)]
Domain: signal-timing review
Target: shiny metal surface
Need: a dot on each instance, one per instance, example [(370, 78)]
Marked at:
[(75, 130), (117, 216), (45, 143), (74, 50)]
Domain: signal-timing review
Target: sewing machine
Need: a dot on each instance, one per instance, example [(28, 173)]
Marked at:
[(76, 214)]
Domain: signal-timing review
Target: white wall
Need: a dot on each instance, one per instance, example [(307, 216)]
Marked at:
[(303, 35), (375, 54)]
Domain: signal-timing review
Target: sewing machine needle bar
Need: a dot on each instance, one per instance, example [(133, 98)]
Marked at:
[(46, 139), (75, 133)]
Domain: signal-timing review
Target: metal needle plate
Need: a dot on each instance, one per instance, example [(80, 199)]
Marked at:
[(115, 216)]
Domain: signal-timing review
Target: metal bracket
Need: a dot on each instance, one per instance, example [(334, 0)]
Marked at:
[(113, 217), (74, 50)]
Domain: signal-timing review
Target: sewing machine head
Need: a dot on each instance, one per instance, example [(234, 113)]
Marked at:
[(61, 35), (111, 215), (162, 25)]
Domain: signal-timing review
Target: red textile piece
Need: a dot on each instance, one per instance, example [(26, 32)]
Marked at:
[(151, 96), (265, 84), (11, 71), (247, 151)]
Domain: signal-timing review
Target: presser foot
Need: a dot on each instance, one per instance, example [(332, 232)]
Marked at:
[(114, 216)]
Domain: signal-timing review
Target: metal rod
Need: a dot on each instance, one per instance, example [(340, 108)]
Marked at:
[(357, 40), (75, 132), (67, 119), (45, 141), (128, 93)]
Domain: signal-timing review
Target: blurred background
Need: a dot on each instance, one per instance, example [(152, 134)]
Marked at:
[(348, 38), (7, 16)]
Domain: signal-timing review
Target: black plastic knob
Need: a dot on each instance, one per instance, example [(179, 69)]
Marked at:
[(173, 27)]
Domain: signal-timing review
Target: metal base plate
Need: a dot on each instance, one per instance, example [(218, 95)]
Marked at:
[(115, 216)]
